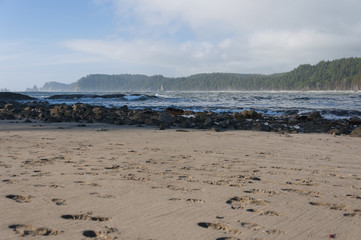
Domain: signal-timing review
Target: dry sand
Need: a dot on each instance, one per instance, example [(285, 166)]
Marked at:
[(69, 182)]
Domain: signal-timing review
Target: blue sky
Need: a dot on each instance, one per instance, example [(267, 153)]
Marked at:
[(64, 40)]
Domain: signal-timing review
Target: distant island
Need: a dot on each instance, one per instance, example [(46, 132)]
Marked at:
[(340, 75)]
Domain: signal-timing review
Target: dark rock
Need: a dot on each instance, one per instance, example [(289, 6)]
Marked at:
[(236, 115), (70, 96), (208, 122), (247, 120), (142, 116), (228, 123), (7, 116), (9, 106), (110, 96), (250, 114), (165, 119), (302, 118), (161, 126), (124, 109), (291, 112), (174, 111), (185, 122), (356, 132), (188, 113), (201, 115), (78, 96), (292, 121), (312, 127), (98, 111), (79, 107), (200, 125), (14, 96), (315, 116), (355, 120), (244, 113)]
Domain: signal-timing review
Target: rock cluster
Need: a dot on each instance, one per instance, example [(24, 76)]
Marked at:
[(171, 117)]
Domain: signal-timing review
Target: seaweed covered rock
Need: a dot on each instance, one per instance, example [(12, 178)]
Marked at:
[(356, 132)]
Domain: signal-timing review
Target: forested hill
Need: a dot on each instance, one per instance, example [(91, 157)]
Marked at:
[(342, 74)]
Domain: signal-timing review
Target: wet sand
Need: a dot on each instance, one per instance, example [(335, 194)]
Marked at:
[(64, 181)]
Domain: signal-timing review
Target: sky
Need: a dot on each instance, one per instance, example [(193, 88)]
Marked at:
[(64, 40)]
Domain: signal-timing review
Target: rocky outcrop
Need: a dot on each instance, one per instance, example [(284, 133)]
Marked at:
[(117, 95), (171, 117), (10, 96)]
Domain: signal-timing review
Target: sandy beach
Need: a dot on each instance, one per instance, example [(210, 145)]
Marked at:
[(70, 181)]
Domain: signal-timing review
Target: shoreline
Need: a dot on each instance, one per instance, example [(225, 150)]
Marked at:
[(179, 118), (118, 182), (240, 91)]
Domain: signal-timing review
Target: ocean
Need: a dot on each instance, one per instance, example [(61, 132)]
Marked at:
[(331, 105)]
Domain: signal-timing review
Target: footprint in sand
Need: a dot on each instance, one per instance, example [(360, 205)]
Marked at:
[(264, 213), (38, 162), (338, 207), (19, 198), (59, 201), (227, 238), (83, 183), (353, 196), (218, 226), (256, 227), (56, 186), (332, 206), (28, 230), (2, 164), (302, 192), (177, 188), (86, 216), (100, 195), (241, 202), (192, 200), (103, 234), (9, 181), (114, 167), (262, 191), (304, 182), (132, 177)]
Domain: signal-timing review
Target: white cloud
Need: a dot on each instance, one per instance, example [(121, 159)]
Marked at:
[(263, 36), (239, 15)]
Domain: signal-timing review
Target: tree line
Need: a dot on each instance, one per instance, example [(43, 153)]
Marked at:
[(341, 74)]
